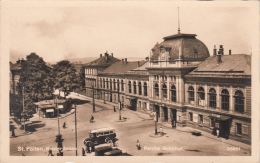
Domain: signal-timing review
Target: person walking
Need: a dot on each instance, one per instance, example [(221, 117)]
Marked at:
[(88, 148), (50, 152), (83, 152), (64, 125), (13, 134), (138, 145), (217, 132)]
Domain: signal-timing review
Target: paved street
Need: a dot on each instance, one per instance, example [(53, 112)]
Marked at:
[(138, 126)]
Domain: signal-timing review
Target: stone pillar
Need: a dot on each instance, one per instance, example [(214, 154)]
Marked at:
[(169, 115), (206, 95), (162, 117)]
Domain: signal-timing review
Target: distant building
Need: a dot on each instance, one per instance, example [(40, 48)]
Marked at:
[(181, 83), (15, 70)]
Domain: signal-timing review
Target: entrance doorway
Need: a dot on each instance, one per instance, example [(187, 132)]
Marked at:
[(165, 111), (174, 117), (222, 125), (133, 103), (110, 100)]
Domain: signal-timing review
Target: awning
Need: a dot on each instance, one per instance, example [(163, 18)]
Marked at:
[(219, 117), (60, 106), (49, 110)]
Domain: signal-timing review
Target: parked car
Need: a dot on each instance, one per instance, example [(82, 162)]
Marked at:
[(100, 136)]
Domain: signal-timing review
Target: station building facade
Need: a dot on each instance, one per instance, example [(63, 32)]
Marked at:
[(181, 84)]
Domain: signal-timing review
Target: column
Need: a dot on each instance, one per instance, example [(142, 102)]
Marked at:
[(206, 95), (218, 99), (160, 87), (182, 90), (169, 115), (162, 118), (168, 88)]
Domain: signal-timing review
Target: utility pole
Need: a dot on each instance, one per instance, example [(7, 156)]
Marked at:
[(76, 129), (23, 111), (119, 107), (93, 95), (155, 121)]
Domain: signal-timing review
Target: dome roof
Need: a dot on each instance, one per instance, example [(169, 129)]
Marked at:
[(192, 48)]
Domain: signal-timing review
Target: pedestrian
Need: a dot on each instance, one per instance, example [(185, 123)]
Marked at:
[(88, 148), (217, 132), (161, 130), (50, 152), (13, 134), (64, 125), (138, 145), (83, 152), (92, 119), (92, 147), (114, 109)]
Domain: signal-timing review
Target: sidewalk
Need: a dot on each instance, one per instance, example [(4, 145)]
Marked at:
[(208, 135)]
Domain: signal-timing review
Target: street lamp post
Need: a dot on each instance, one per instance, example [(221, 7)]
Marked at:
[(58, 114), (76, 129), (23, 112), (93, 95)]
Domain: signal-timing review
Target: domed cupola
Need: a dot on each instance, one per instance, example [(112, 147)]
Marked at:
[(180, 46)]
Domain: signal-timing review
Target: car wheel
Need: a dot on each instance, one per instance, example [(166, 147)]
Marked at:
[(108, 140)]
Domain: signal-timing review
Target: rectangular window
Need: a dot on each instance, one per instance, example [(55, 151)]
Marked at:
[(191, 117), (238, 128), (201, 119)]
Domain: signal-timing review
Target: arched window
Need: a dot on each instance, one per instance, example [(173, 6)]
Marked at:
[(134, 87), (164, 91), (225, 99), (118, 85), (110, 83), (130, 87), (173, 93), (212, 98), (101, 82), (191, 95), (140, 88), (104, 83), (145, 89), (122, 85), (114, 84), (239, 102), (156, 90), (201, 95), (107, 84)]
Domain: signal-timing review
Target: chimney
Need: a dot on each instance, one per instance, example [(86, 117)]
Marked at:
[(125, 60), (138, 64), (214, 51), (219, 58), (229, 52), (106, 55), (221, 49), (100, 55), (122, 61), (112, 54)]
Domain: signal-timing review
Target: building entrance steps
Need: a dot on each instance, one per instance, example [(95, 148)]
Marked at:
[(209, 135)]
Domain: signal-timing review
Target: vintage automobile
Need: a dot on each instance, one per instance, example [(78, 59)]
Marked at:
[(100, 136)]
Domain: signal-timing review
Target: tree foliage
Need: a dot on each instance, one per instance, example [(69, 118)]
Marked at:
[(65, 76)]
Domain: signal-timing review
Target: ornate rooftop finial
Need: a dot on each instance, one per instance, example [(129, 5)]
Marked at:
[(179, 31)]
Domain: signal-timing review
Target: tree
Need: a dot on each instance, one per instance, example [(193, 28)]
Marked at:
[(64, 76), (34, 78)]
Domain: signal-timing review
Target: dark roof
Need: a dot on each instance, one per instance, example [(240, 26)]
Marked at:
[(119, 68), (15, 66), (235, 64), (179, 35), (192, 48), (103, 61)]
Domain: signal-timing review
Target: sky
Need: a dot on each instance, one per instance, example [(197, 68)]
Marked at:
[(126, 29)]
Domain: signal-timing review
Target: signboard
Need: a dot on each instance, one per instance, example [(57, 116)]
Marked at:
[(195, 117)]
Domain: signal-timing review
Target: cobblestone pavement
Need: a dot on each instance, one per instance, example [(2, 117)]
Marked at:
[(137, 126)]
